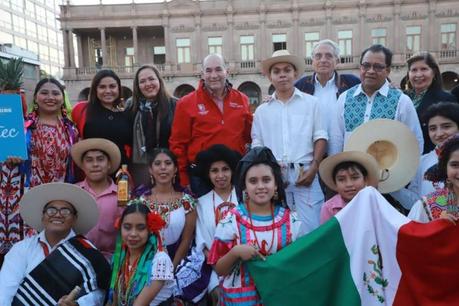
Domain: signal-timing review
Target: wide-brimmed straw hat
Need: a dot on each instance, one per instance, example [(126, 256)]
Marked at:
[(283, 56), (99, 144), (32, 204), (394, 147), (327, 166)]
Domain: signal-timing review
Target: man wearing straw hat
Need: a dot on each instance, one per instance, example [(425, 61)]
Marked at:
[(58, 211), (374, 98), (290, 123), (99, 158)]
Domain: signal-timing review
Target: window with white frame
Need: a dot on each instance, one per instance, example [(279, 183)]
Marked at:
[(183, 50), (413, 39), (378, 36), (345, 42), (279, 42), (310, 39), (448, 36), (215, 45), (159, 54), (247, 47)]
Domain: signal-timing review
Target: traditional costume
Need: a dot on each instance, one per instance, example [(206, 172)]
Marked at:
[(34, 273)]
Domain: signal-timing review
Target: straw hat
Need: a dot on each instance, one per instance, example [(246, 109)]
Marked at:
[(365, 160), (394, 147), (100, 144), (32, 204), (283, 56)]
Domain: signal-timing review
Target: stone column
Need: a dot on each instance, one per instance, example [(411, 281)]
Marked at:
[(71, 49), (296, 39), (262, 40), (103, 44), (135, 45), (396, 42), (328, 20), (197, 43), (80, 52), (362, 29), (432, 42), (65, 40)]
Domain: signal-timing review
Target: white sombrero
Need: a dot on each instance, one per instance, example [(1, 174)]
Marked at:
[(283, 56), (367, 161), (99, 144), (32, 204), (394, 147)]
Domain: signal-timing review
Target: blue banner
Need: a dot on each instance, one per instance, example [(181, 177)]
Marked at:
[(12, 136)]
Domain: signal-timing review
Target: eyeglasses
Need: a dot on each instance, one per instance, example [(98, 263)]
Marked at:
[(376, 67), (52, 211)]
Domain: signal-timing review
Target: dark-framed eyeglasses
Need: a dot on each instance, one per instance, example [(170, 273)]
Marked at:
[(376, 67), (52, 211)]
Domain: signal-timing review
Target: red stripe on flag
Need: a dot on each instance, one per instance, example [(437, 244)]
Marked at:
[(428, 256)]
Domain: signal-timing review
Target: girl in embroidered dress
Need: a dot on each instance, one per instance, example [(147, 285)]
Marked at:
[(49, 136), (258, 227), (442, 122), (443, 202), (216, 166), (142, 272)]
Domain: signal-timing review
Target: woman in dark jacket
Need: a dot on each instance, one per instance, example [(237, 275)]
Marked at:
[(424, 87), (152, 108)]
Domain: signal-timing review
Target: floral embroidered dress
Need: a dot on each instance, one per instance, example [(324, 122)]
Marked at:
[(174, 214), (49, 161), (433, 205), (238, 227)]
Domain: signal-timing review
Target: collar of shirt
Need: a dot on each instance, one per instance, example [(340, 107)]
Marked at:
[(296, 93), (330, 82), (337, 202), (112, 188), (42, 238), (384, 90)]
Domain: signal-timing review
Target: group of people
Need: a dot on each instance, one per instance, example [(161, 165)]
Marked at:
[(213, 184)]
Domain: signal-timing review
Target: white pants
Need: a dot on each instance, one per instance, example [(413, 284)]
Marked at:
[(306, 202)]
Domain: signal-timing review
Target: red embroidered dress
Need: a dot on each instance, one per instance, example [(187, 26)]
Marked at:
[(238, 288), (49, 161), (438, 202)]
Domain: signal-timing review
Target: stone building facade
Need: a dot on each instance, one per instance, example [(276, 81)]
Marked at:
[(176, 35)]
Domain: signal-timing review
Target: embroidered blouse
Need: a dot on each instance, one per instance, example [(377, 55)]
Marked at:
[(432, 206), (236, 228)]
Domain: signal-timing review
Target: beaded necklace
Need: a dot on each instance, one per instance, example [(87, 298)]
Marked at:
[(218, 210), (125, 284), (262, 248)]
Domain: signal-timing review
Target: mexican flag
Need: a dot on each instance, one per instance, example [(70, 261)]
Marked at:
[(368, 254)]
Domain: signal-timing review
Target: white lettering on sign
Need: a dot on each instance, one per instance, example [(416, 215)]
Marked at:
[(6, 110), (8, 133)]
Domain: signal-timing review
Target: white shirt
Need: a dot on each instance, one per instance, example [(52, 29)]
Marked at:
[(23, 257), (419, 186), (289, 128), (405, 113), (327, 101)]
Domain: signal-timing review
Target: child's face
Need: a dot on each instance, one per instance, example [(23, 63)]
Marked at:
[(349, 182), (134, 231)]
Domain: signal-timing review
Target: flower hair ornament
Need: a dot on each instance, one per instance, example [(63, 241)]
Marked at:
[(127, 291)]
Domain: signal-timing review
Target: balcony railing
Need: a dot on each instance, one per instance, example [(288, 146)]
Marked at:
[(248, 65)]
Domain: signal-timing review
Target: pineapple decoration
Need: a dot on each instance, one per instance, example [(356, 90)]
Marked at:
[(11, 79)]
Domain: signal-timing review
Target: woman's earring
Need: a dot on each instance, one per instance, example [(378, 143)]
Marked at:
[(448, 184), (245, 196), (173, 179), (276, 196), (35, 106), (152, 180)]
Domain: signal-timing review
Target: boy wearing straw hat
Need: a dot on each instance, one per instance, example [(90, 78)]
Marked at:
[(59, 211), (291, 125), (99, 158), (346, 173)]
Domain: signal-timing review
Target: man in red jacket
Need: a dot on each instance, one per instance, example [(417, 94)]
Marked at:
[(215, 113)]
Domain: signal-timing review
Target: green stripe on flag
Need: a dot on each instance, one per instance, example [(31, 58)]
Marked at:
[(314, 270)]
